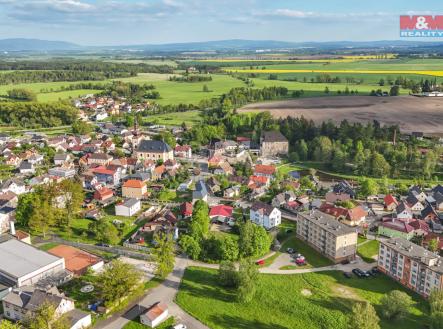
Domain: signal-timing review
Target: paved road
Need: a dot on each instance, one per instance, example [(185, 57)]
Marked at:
[(165, 293)]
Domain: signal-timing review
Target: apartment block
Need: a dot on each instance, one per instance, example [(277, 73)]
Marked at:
[(324, 233), (412, 265)]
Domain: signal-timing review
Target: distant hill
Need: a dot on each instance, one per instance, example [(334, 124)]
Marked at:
[(36, 45)]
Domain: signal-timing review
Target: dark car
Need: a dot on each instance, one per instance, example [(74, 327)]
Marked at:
[(347, 275), (358, 272), (290, 250)]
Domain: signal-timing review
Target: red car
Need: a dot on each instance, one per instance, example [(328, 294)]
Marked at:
[(260, 262)]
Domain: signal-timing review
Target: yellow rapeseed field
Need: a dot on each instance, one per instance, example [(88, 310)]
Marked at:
[(418, 72)]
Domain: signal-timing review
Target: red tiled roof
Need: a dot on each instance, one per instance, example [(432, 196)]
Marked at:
[(264, 169), (186, 209), (390, 199), (133, 183), (221, 210), (182, 148), (103, 171)]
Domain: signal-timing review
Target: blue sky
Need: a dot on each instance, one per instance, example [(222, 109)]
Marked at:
[(124, 22)]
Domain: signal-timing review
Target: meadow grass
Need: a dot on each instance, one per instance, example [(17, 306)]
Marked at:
[(191, 118), (310, 301), (368, 250)]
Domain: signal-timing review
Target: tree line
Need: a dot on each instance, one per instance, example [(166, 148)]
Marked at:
[(190, 78), (35, 115)]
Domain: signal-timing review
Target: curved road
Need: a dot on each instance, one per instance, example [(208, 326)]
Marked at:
[(168, 289)]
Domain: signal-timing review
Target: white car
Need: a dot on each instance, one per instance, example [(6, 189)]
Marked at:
[(180, 326)]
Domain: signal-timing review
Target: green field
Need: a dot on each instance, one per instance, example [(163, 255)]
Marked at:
[(310, 301), (367, 250), (172, 92), (175, 119)]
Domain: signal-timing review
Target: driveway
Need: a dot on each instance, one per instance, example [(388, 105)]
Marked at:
[(165, 293)]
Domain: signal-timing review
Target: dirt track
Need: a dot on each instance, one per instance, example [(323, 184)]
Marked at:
[(410, 113)]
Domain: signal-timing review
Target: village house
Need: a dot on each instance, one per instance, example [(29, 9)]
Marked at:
[(101, 159), (62, 158), (134, 189), (344, 187), (155, 315), (414, 204), (273, 143), (154, 150), (128, 208), (200, 192), (222, 214), (390, 202), (283, 198), (232, 192), (183, 151), (351, 217), (332, 197), (267, 171), (404, 228), (109, 176), (186, 209), (103, 194), (13, 185), (265, 215)]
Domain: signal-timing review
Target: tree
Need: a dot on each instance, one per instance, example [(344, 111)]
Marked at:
[(167, 137), (433, 245), (22, 95), (104, 231), (436, 306), (82, 128), (45, 317), (73, 195), (190, 246), (379, 166), (118, 280), (199, 226), (205, 89), (229, 249), (368, 187), (394, 91), (395, 304), (227, 274), (163, 254), (247, 280), (363, 317), (302, 150), (326, 90), (254, 240), (5, 324)]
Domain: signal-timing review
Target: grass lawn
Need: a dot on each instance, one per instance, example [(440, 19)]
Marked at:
[(310, 301), (360, 239), (368, 250), (313, 258), (168, 324), (286, 229), (47, 246)]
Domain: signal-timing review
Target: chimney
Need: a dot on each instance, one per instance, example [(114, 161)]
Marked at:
[(12, 228)]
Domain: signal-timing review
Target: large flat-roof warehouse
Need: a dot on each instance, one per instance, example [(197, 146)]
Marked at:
[(22, 264)]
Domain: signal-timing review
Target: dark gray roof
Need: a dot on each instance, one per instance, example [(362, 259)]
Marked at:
[(344, 187), (438, 198), (75, 315), (438, 189), (273, 136), (402, 207), (153, 146), (327, 222), (411, 200), (258, 205), (130, 202)]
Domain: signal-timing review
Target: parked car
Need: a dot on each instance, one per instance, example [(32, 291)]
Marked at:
[(300, 261), (290, 250), (361, 274), (347, 275), (260, 262), (180, 326)]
